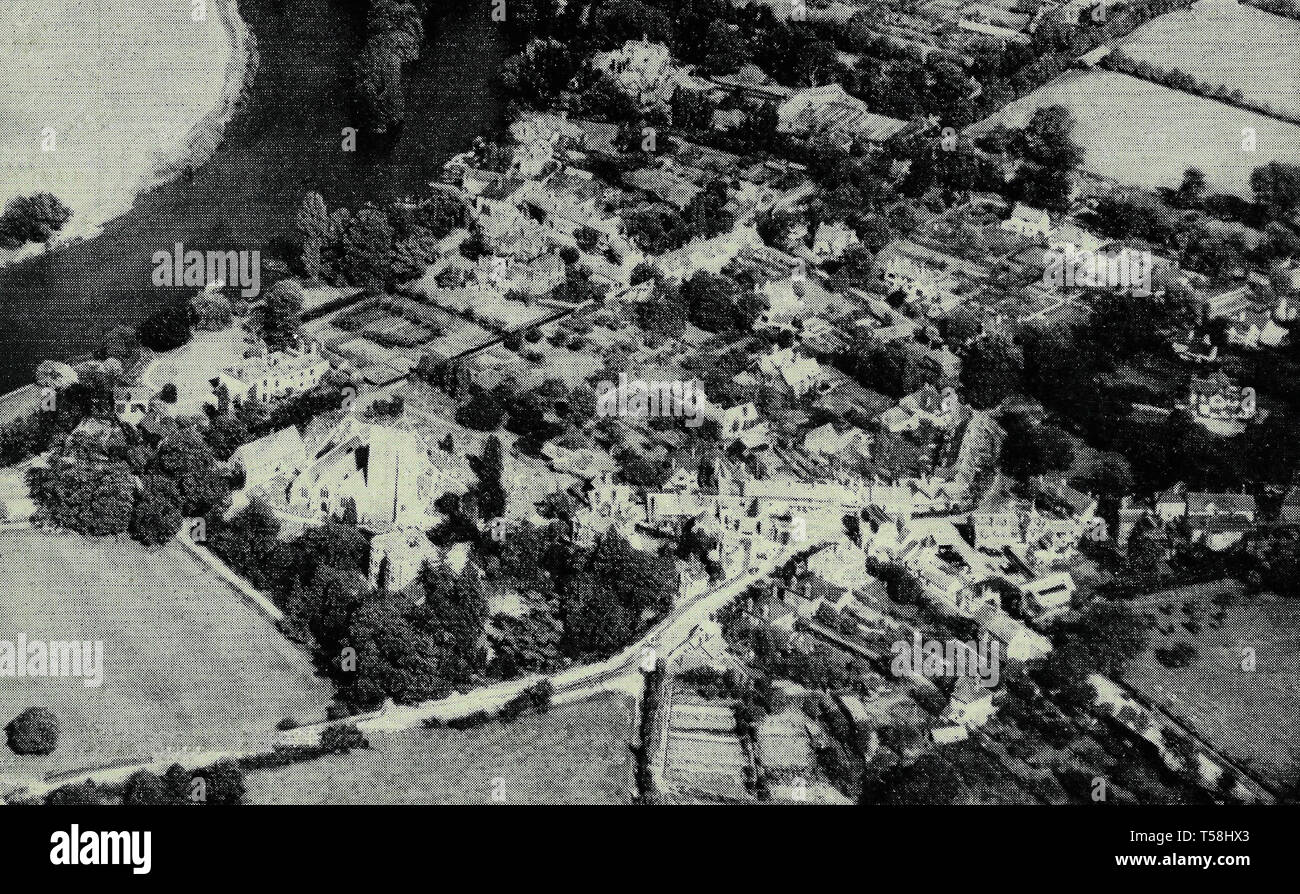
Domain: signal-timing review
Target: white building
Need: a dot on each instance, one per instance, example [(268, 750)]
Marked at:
[(275, 374)]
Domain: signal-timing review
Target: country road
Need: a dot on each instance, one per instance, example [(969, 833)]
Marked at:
[(662, 640)]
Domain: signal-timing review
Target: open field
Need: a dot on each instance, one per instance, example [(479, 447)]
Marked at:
[(187, 664), (1238, 46), (574, 754), (1251, 716), (193, 366), (1142, 134)]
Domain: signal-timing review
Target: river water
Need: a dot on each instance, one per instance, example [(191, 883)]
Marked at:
[(288, 139)]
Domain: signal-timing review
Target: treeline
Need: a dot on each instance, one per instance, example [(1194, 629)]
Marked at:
[(1286, 8), (1176, 79)]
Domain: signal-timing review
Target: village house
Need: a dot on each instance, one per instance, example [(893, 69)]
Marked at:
[(1254, 328), (1197, 351), (1022, 644), (784, 303), (970, 705), (826, 443), (1219, 404), (941, 409), (829, 111), (1029, 222), (833, 239), (1290, 510), (131, 404), (274, 374), (1047, 597)]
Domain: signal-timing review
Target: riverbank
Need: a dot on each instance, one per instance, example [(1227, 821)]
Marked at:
[(72, 156), (283, 139)]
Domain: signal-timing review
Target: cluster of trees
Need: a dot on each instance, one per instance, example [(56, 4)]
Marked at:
[(1177, 79), (373, 644), (658, 229), (34, 218), (126, 483), (1102, 639), (171, 325), (1286, 8), (221, 783), (34, 731), (587, 603), (394, 35), (375, 247), (1201, 242), (888, 367), (1050, 154), (712, 302)]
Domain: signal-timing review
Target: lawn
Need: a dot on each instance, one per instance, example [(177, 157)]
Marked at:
[(1231, 44), (187, 664), (1142, 134), (193, 366), (574, 754), (1251, 716)]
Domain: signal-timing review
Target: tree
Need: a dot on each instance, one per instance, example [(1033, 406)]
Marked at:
[(211, 310), (34, 218), (145, 789), (992, 371), (489, 466), (716, 303), (727, 48), (378, 79), (360, 246), (157, 515), (1031, 450), (691, 110), (1111, 475), (312, 222), (34, 731), (1277, 187), (538, 74), (482, 412), (1047, 189), (342, 738), (247, 540), (84, 493), (1046, 139), (223, 783), (278, 318), (185, 458), (168, 327), (1192, 190)]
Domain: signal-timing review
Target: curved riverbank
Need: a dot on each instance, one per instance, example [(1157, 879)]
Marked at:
[(110, 114), (284, 139), (204, 137)]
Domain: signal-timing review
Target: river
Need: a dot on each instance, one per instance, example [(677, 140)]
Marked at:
[(288, 139)]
